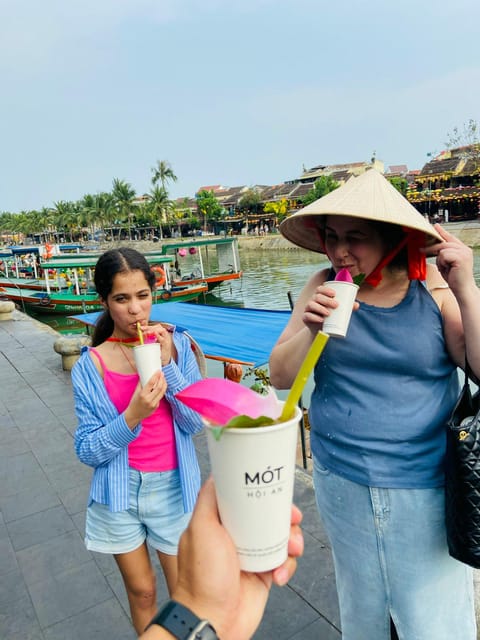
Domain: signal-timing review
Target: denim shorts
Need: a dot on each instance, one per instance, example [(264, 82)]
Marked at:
[(391, 560), (155, 514)]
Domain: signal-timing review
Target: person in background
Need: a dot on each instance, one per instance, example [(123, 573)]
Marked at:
[(138, 440), (381, 400), (210, 583)]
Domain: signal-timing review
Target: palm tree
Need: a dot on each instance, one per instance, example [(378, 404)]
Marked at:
[(163, 172), (8, 222), (66, 216), (45, 219), (29, 223), (123, 196), (159, 206), (104, 208), (86, 210)]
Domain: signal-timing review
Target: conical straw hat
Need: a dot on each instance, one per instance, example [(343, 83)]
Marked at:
[(370, 196)]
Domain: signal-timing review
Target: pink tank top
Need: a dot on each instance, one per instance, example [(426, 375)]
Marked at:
[(154, 449)]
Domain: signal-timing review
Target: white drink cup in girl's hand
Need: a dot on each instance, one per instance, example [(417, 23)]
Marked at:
[(148, 360), (336, 324)]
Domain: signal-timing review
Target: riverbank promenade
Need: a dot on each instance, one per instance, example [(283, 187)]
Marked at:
[(51, 587)]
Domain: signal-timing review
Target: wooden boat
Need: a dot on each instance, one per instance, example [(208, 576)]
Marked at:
[(14, 262), (64, 303), (213, 261), (79, 295), (194, 262), (31, 300), (20, 268)]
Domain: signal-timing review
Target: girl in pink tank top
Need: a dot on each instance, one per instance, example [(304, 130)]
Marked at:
[(138, 439)]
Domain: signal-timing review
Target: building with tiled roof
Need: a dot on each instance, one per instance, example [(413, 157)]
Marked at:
[(447, 187), (340, 172), (291, 191)]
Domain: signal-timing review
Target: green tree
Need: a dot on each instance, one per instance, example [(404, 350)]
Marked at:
[(28, 223), (163, 171), (159, 206), (400, 184), (123, 196), (106, 212), (322, 186), (144, 216), (250, 201), (22, 223), (278, 208), (67, 216), (209, 207), (186, 215), (87, 213), (44, 221), (7, 222)]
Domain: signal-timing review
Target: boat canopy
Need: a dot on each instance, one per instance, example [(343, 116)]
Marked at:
[(70, 247), (171, 247), (20, 250), (226, 333), (226, 250), (75, 261)]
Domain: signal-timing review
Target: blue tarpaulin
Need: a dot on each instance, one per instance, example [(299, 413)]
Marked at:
[(246, 335)]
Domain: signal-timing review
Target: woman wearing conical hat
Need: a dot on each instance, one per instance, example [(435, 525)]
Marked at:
[(380, 403)]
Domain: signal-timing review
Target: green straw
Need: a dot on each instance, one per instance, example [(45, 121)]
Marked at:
[(313, 354)]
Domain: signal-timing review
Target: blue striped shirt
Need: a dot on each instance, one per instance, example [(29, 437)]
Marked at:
[(102, 436)]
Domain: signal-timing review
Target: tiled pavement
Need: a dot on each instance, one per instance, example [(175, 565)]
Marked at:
[(51, 587)]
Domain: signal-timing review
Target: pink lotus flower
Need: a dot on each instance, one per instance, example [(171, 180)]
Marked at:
[(344, 276), (222, 401)]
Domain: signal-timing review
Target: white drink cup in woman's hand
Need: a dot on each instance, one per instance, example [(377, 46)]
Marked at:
[(336, 324)]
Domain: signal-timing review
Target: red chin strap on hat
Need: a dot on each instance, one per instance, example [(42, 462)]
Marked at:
[(417, 262)]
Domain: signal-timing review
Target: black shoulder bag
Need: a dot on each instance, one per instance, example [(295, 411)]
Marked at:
[(462, 483)]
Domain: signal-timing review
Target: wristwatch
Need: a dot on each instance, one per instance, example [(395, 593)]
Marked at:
[(182, 623)]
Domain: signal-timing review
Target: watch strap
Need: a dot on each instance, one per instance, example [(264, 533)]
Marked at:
[(182, 623)]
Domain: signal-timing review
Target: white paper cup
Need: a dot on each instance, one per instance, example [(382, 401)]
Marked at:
[(148, 360), (336, 324), (254, 472)]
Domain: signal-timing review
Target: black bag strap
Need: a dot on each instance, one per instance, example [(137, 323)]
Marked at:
[(469, 375)]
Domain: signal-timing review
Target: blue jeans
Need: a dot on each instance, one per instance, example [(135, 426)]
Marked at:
[(391, 559)]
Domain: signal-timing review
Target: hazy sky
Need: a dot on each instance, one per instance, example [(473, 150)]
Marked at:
[(229, 92)]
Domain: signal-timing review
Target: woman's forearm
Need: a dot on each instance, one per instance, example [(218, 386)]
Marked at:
[(287, 356)]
